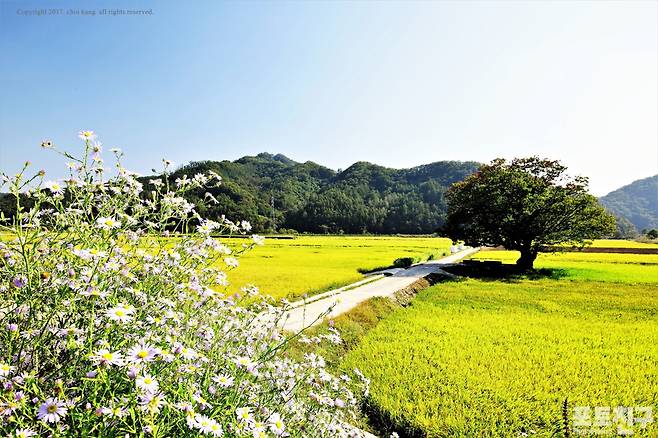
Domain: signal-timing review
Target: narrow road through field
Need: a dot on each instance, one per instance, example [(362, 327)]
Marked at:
[(348, 297)]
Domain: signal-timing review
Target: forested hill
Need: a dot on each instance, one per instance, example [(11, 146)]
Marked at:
[(309, 197), (636, 203), (363, 198)]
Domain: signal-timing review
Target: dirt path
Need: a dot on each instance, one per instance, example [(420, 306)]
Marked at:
[(348, 297)]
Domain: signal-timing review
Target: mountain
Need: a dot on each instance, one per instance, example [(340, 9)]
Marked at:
[(274, 191), (364, 198), (636, 204)]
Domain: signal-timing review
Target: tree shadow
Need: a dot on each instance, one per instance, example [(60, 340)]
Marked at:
[(494, 271)]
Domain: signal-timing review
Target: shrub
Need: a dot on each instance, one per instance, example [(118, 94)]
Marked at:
[(113, 321), (405, 262)]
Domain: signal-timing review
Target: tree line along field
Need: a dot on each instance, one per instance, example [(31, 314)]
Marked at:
[(502, 357), (291, 268)]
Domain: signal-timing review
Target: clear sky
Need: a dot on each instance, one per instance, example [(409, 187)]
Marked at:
[(394, 83)]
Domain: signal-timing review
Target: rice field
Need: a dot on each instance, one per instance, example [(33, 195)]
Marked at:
[(501, 358), (616, 243), (291, 268)]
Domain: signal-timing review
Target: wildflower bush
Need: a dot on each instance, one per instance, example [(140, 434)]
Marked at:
[(113, 321)]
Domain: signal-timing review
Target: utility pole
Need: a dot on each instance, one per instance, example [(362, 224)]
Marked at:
[(272, 213)]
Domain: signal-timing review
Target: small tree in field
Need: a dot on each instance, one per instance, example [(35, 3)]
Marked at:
[(524, 205)]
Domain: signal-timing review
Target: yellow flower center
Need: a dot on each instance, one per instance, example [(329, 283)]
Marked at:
[(108, 356), (142, 354), (120, 313), (52, 408)]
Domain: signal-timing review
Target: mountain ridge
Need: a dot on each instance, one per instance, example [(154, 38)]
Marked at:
[(635, 203), (365, 197)]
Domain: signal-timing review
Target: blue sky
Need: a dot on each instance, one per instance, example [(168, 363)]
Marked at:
[(394, 83)]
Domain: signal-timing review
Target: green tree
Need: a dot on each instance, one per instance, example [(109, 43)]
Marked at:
[(527, 205)]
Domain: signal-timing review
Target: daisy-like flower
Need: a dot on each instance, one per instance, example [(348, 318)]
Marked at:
[(142, 353), (211, 197), (188, 353), (93, 292), (87, 135), (52, 410), (231, 262), (244, 415), (19, 281), (223, 380), (69, 331), (54, 187), (216, 429), (108, 223), (276, 424), (245, 362), (147, 383), (221, 279), (152, 402), (258, 240), (258, 431), (97, 253), (206, 227), (121, 313), (245, 225), (201, 401), (105, 357), (5, 369), (24, 433), (116, 412), (203, 423)]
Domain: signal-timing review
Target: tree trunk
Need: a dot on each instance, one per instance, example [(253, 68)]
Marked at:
[(527, 259)]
